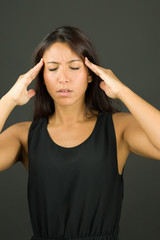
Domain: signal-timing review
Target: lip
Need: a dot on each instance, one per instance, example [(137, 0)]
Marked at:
[(64, 93), (64, 89)]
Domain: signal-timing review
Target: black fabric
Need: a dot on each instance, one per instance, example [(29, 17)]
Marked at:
[(74, 192)]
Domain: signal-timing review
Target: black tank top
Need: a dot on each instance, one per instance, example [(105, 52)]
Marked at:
[(74, 192)]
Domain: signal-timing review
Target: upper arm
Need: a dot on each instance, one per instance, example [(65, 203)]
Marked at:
[(137, 140), (10, 146)]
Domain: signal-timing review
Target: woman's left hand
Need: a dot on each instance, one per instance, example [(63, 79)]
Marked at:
[(111, 85)]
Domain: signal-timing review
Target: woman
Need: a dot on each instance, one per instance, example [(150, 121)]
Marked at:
[(76, 147)]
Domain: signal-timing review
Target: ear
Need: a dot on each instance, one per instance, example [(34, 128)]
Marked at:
[(89, 78)]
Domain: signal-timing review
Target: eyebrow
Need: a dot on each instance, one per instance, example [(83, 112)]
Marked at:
[(73, 60)]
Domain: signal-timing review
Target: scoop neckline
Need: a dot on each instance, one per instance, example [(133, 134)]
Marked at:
[(77, 146)]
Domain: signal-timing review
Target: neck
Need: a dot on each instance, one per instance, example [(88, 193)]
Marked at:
[(68, 115)]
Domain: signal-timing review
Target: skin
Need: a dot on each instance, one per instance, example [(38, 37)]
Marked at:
[(143, 120), (137, 131), (68, 109)]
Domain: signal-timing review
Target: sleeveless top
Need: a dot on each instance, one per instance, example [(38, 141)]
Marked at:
[(74, 192)]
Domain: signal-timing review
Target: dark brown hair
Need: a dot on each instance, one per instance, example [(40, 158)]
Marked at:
[(95, 97)]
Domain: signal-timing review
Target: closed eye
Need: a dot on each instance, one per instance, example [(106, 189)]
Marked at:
[(53, 69)]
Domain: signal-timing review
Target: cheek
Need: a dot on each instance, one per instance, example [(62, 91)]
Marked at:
[(44, 75), (48, 78), (81, 76), (83, 81)]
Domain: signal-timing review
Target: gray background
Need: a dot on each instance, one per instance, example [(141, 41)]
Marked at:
[(126, 35)]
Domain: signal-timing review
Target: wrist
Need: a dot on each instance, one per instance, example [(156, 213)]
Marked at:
[(9, 100), (122, 92)]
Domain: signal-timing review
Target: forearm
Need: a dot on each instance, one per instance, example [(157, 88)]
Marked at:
[(6, 107), (147, 116)]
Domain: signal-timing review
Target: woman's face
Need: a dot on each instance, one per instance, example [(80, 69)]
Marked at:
[(59, 73)]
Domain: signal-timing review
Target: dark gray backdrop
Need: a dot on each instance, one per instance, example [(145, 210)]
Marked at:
[(126, 35)]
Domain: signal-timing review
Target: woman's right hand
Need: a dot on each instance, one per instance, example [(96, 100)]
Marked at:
[(19, 93)]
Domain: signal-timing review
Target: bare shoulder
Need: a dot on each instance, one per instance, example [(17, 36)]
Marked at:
[(121, 120), (22, 130)]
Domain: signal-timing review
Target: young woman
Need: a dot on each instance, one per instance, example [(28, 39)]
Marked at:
[(76, 147)]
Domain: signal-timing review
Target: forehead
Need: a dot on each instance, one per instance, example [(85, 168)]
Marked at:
[(60, 52)]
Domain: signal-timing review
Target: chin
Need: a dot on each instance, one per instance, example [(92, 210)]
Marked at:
[(65, 102)]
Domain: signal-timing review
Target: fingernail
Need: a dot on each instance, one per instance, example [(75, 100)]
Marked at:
[(41, 59)]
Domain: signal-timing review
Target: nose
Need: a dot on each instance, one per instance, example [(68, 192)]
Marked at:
[(63, 76)]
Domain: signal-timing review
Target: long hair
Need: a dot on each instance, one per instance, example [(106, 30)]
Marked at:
[(95, 97)]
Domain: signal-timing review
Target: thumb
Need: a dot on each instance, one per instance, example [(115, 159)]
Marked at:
[(102, 85), (31, 93)]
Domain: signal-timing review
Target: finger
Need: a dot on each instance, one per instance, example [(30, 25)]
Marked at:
[(93, 67), (32, 73), (35, 69)]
